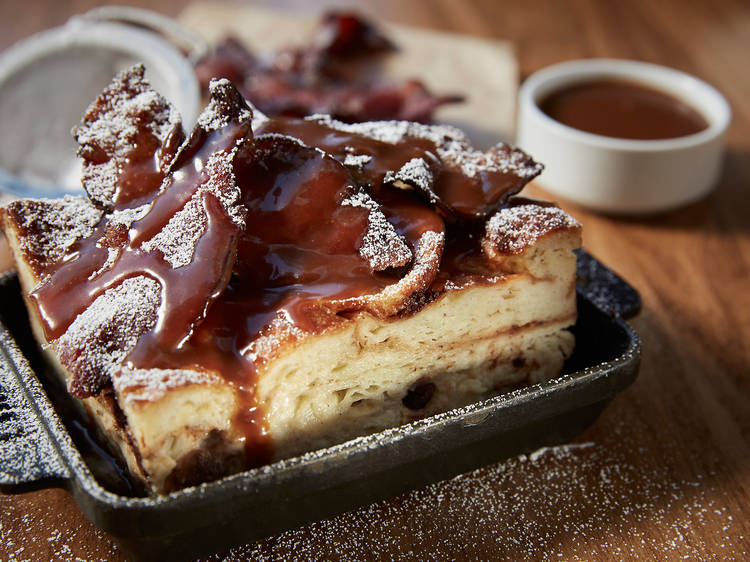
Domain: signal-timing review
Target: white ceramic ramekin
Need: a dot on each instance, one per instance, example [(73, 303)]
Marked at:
[(48, 80), (620, 175)]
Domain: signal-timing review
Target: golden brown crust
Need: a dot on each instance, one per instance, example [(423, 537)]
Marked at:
[(510, 231), (46, 229), (394, 299)]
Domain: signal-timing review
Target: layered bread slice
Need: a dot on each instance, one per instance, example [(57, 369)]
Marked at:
[(260, 288)]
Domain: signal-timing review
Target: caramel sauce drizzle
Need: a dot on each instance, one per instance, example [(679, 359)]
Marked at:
[(78, 279), (461, 197)]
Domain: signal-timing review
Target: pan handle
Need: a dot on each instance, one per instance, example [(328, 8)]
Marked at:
[(28, 454), (605, 288)]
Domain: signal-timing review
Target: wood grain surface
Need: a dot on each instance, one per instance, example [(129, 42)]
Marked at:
[(664, 473)]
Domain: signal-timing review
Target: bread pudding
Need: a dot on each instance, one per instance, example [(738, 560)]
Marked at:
[(262, 287)]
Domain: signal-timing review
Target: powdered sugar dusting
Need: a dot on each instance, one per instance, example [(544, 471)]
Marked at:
[(46, 525), (558, 450), (178, 239), (381, 245), (134, 385), (226, 106), (395, 297), (120, 219), (281, 329), (415, 173), (571, 502), (500, 158), (393, 132), (49, 227), (126, 217), (513, 229), (113, 122), (451, 145), (357, 161), (101, 336)]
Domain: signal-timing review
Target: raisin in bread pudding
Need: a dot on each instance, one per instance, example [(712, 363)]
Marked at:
[(262, 287)]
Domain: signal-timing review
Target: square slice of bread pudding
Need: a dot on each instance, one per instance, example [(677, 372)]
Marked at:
[(257, 287)]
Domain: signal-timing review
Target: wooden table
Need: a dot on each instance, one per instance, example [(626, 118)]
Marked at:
[(665, 472)]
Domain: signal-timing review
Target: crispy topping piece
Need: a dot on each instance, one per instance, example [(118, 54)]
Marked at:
[(381, 245), (178, 239), (100, 338), (194, 223), (127, 140), (467, 181), (513, 229), (437, 162), (395, 297), (419, 175), (48, 229), (226, 106)]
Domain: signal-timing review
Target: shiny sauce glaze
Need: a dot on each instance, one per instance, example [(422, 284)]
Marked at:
[(296, 258), (622, 109), (458, 194)]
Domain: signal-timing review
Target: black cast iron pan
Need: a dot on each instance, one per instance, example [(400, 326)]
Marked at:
[(42, 444)]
